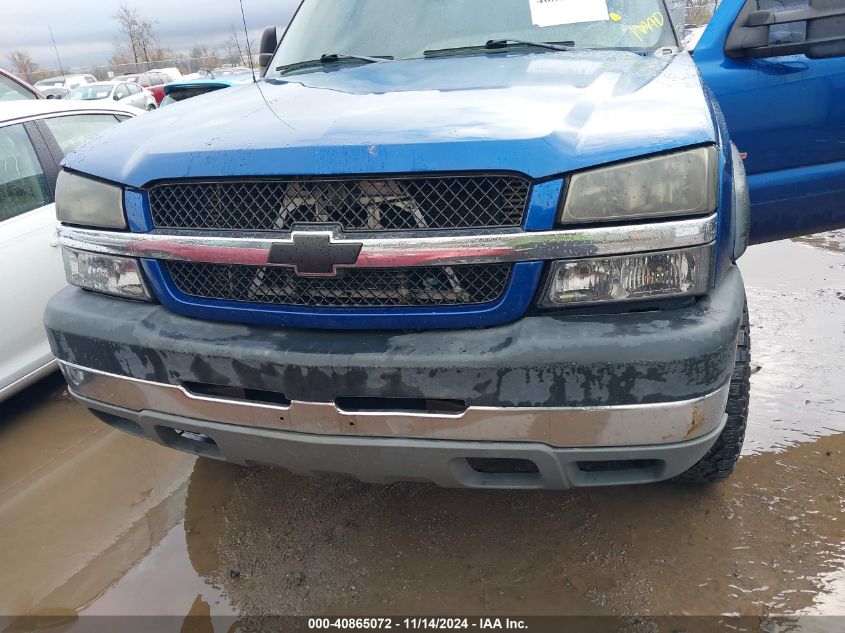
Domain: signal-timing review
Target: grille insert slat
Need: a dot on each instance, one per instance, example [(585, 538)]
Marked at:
[(361, 288), (393, 204)]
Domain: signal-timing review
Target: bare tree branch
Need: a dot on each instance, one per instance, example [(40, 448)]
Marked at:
[(23, 65), (139, 41)]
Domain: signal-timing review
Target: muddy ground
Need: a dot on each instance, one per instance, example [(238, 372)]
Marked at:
[(93, 521)]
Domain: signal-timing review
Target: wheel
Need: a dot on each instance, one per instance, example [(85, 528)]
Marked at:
[(151, 107), (721, 460)]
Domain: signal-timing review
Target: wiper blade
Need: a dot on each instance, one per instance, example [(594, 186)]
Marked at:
[(330, 58), (336, 57), (491, 45)]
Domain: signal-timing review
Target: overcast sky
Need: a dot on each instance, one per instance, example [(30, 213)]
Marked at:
[(84, 29)]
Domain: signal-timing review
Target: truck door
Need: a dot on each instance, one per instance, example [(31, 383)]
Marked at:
[(777, 68)]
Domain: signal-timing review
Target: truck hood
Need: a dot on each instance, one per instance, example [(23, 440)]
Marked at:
[(541, 114)]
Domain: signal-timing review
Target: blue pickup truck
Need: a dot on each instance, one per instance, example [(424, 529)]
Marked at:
[(481, 243)]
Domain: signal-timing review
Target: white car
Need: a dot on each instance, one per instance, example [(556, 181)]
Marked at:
[(124, 92), (34, 137), (68, 82), (692, 37)]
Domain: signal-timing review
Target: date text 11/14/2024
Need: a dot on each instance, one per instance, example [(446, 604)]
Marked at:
[(417, 624)]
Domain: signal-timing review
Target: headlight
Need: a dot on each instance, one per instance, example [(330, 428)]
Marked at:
[(683, 183), (680, 273), (89, 202), (118, 276)]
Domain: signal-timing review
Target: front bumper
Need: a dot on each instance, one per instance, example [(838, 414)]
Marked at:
[(643, 393)]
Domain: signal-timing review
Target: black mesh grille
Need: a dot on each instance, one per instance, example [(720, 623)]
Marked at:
[(356, 205), (379, 287)]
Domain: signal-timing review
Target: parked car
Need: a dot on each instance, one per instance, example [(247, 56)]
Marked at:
[(154, 82), (55, 93), (225, 71), (491, 246), (13, 88), (181, 90), (692, 37), (68, 82), (173, 73), (34, 137), (124, 92)]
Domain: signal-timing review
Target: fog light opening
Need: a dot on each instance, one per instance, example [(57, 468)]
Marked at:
[(189, 441), (501, 466)]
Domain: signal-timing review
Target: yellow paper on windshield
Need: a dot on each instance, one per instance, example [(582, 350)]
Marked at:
[(557, 12)]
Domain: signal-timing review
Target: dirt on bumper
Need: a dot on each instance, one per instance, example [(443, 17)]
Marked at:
[(541, 361)]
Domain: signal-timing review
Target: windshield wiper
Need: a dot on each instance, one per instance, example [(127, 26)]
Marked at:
[(330, 58), (492, 45)]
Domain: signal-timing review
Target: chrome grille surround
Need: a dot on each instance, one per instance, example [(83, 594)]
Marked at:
[(387, 204), (356, 288), (406, 250)]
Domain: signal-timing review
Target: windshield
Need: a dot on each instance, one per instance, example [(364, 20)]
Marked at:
[(12, 91), (406, 29), (90, 92)]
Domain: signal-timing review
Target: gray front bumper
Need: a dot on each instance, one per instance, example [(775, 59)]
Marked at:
[(447, 463), (585, 400)]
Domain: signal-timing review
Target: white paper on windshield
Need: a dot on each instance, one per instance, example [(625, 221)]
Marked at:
[(557, 12)]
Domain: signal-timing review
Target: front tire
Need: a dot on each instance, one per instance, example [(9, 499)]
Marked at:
[(720, 461), (151, 107)]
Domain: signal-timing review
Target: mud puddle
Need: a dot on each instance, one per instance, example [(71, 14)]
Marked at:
[(93, 521), (80, 504), (796, 296)]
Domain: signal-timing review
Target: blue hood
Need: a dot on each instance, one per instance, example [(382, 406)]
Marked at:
[(540, 114)]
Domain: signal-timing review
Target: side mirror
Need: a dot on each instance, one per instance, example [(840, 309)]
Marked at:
[(817, 31), (269, 42)]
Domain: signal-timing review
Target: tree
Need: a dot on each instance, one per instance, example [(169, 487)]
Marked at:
[(700, 11), (234, 53), (204, 57), (23, 65), (139, 42)]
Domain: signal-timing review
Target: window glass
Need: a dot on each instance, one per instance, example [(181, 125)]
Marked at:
[(121, 92), (90, 79), (90, 92), (71, 131), (405, 29), (186, 92), (790, 32), (13, 91), (133, 89), (23, 186)]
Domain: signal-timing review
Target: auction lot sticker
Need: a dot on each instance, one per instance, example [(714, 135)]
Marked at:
[(557, 12)]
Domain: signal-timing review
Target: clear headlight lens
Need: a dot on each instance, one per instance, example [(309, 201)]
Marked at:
[(118, 276), (683, 183), (89, 202), (642, 277)]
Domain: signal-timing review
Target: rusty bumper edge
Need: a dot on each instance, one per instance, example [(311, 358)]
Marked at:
[(448, 463)]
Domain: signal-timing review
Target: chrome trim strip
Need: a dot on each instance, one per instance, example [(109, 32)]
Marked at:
[(407, 249), (632, 425), (70, 112)]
